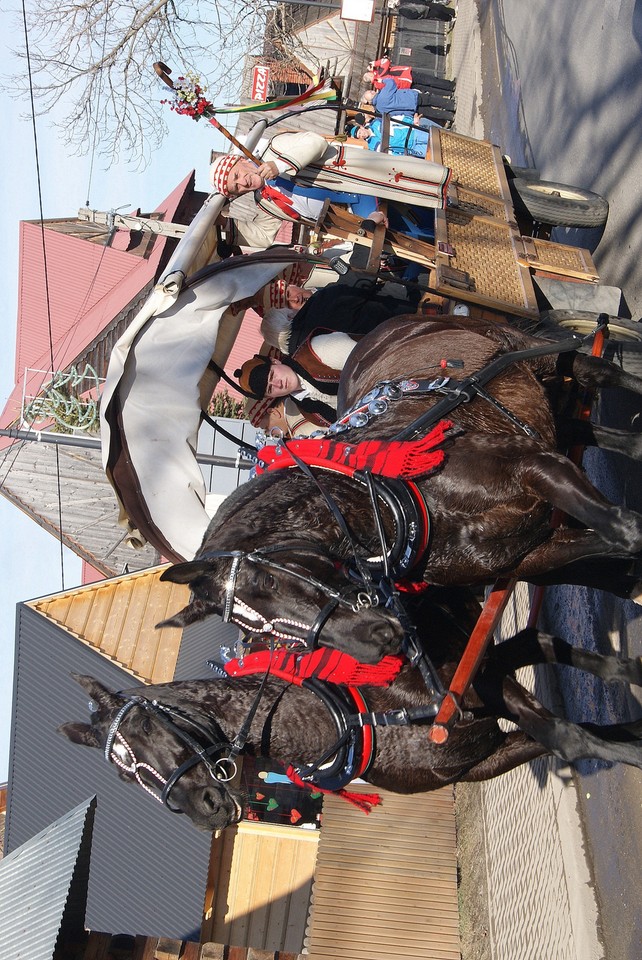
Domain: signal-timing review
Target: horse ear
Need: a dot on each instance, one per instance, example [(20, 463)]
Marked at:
[(81, 733), (195, 610), (101, 696), (186, 572)]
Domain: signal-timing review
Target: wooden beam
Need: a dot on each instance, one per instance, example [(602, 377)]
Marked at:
[(212, 951), (168, 949)]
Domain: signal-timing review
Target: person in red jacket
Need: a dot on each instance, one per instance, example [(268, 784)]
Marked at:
[(406, 77)]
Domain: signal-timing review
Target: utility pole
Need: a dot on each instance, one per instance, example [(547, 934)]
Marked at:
[(112, 221), (93, 443)]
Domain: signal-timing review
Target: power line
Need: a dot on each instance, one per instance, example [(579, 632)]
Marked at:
[(46, 276)]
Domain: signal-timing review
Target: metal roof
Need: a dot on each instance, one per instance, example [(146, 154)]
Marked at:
[(32, 474), (88, 285), (38, 895), (148, 869)]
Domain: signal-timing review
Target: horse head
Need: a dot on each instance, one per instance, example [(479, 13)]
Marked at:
[(295, 593), (180, 760)]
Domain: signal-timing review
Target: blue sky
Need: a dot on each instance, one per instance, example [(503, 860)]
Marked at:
[(30, 557)]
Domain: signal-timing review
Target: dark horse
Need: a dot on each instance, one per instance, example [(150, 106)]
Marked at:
[(275, 556), (175, 738)]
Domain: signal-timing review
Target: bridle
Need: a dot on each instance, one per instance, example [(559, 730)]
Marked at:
[(355, 596), (362, 594), (222, 769)]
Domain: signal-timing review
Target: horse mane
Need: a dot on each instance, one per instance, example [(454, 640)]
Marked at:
[(260, 497)]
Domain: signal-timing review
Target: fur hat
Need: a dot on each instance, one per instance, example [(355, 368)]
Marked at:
[(253, 376), (219, 172)]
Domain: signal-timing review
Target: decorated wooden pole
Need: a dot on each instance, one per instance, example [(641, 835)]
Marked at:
[(207, 111), (190, 100)]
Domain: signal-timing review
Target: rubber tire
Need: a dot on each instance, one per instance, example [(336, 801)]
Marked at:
[(583, 321), (624, 344), (560, 205), (521, 173)]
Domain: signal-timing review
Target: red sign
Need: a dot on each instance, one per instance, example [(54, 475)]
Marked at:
[(260, 80)]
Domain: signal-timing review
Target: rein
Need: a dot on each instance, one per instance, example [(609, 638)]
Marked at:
[(464, 391)]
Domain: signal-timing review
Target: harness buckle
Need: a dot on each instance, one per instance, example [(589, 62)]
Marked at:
[(364, 601), (392, 718), (439, 383)]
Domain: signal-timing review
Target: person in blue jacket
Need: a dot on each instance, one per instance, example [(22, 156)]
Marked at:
[(402, 139), (408, 102)]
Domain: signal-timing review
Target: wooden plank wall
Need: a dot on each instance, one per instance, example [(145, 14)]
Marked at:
[(119, 618), (262, 889), (385, 886)]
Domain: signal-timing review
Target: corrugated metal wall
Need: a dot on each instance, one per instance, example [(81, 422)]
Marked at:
[(385, 886), (202, 642), (148, 866), (45, 880)]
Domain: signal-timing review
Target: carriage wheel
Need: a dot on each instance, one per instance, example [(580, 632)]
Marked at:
[(559, 205), (624, 345)]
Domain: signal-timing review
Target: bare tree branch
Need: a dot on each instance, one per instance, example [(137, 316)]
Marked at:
[(92, 62)]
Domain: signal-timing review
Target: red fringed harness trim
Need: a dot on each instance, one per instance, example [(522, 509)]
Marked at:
[(329, 666), (364, 801), (406, 460), (323, 664), (394, 464)]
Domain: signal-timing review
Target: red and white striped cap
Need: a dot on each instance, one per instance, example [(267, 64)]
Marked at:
[(219, 172), (273, 295)]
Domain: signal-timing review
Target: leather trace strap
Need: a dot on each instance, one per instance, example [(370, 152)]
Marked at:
[(464, 391)]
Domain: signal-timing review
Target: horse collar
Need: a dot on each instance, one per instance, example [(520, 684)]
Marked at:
[(351, 755), (411, 525), (404, 500)]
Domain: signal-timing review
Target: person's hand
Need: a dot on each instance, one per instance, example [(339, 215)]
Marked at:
[(268, 170), (378, 216)]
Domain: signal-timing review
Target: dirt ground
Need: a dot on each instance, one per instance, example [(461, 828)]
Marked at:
[(472, 881)]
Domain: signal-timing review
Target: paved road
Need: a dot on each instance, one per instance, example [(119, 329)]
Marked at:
[(570, 78), (563, 91)]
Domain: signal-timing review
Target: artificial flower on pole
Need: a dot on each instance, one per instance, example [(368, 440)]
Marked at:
[(190, 100)]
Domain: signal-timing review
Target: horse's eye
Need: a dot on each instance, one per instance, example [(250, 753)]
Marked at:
[(269, 582), (146, 725)]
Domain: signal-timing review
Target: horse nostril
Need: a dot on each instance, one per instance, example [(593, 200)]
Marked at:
[(211, 801)]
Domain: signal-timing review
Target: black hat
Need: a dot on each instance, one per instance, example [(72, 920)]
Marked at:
[(253, 376)]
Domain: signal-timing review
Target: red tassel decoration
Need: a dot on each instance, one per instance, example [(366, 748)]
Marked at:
[(323, 664), (363, 801), (407, 460)]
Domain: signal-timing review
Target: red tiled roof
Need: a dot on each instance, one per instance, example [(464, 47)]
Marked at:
[(248, 342), (88, 285)]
